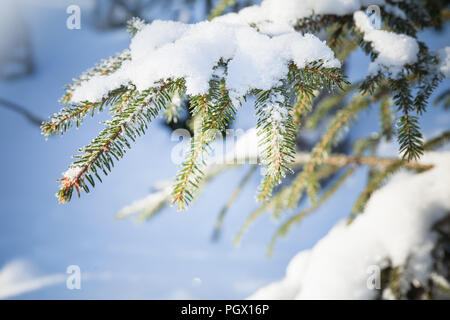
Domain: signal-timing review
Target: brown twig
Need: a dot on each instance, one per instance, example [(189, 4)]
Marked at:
[(343, 160)]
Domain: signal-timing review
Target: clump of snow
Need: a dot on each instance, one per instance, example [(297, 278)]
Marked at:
[(276, 112), (72, 173), (395, 226), (155, 35), (164, 50), (394, 50), (259, 42), (444, 64)]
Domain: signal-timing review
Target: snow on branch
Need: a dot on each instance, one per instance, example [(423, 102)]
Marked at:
[(264, 52), (215, 64), (166, 49), (394, 51), (395, 230)]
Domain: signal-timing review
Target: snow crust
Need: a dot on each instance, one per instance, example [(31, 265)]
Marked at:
[(395, 227)]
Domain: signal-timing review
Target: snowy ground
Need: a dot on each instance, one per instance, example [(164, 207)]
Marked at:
[(171, 256)]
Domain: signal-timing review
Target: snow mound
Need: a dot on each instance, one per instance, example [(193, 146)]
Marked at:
[(396, 225)]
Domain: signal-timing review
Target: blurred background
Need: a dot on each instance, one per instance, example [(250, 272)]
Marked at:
[(171, 256)]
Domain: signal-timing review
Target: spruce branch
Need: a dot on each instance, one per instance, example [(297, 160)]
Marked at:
[(426, 88), (302, 105), (386, 117), (374, 183), (220, 8), (136, 110), (341, 160), (316, 23), (420, 77), (438, 141), (134, 25), (174, 110), (190, 175), (426, 76), (219, 222), (248, 222), (423, 13), (319, 76), (74, 114), (329, 165), (398, 24), (103, 68), (306, 177), (213, 111), (280, 111), (443, 98), (364, 144), (297, 218), (276, 137), (409, 136), (326, 105), (306, 83), (162, 197), (276, 202)]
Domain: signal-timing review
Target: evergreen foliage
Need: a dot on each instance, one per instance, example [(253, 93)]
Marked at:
[(296, 103)]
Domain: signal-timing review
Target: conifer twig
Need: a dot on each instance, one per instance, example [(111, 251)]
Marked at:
[(341, 118), (343, 160), (284, 228), (62, 121), (230, 201), (136, 110), (213, 111)]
